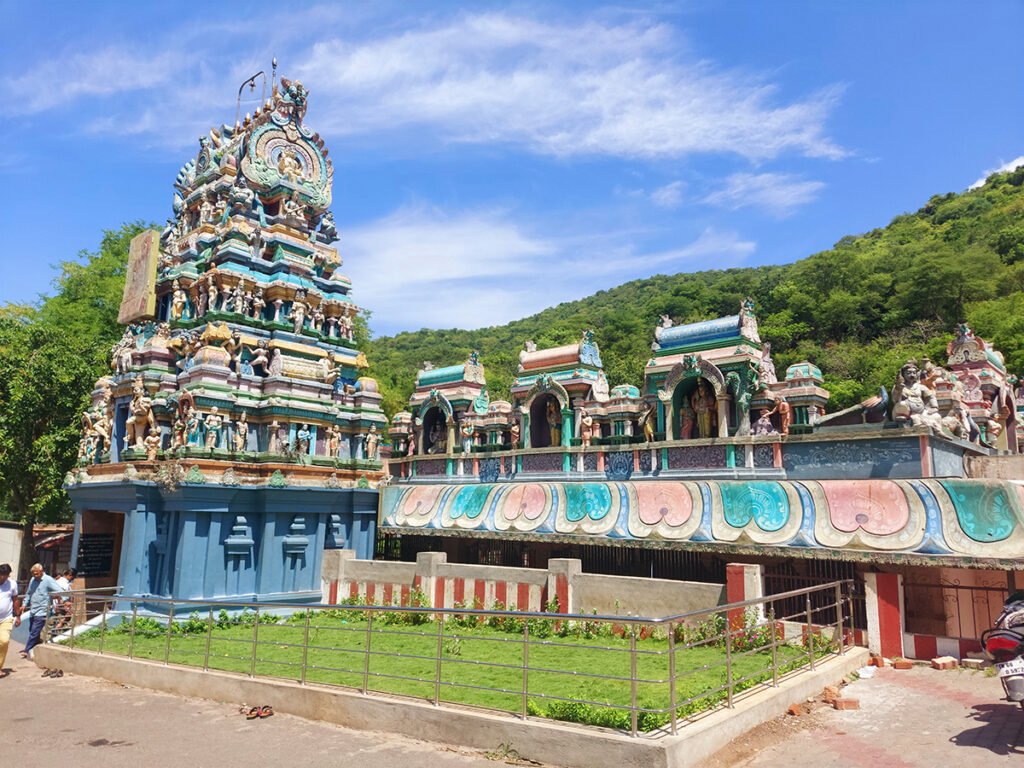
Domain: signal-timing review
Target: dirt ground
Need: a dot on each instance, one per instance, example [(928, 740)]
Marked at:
[(919, 718)]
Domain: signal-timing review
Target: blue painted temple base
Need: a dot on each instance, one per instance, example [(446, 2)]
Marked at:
[(210, 542)]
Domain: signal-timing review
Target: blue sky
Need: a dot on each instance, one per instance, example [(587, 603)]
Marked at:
[(494, 159)]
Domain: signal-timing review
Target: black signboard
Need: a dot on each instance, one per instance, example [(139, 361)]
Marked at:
[(95, 554)]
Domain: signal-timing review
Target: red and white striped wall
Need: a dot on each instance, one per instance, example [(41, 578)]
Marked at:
[(927, 647), (445, 592)]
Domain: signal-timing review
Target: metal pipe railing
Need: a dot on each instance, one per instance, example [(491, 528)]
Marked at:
[(656, 672)]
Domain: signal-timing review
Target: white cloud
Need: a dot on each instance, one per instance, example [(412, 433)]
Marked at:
[(589, 87), (422, 267), (780, 194), (668, 196), (1017, 162)]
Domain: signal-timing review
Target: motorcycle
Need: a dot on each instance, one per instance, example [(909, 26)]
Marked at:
[(1004, 646)]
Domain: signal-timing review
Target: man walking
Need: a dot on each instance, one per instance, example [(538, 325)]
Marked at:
[(38, 596), (10, 610)]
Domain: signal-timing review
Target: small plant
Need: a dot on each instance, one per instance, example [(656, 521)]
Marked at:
[(453, 646)]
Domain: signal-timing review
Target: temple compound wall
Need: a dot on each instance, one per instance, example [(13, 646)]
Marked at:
[(236, 437)]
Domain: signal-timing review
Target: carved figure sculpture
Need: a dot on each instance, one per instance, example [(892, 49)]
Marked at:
[(205, 211), (241, 433), (328, 370), (274, 437), (438, 440), (687, 418), (466, 432), (302, 440), (764, 426), (238, 298), (586, 428), (297, 314), (140, 417), (179, 300), (514, 434), (213, 421), (178, 433), (346, 328), (785, 412), (276, 363), (914, 402), (647, 422), (258, 304), (554, 416), (289, 167), (372, 443), (192, 425), (333, 440), (766, 368), (213, 293), (316, 319), (292, 207), (703, 408), (153, 444)]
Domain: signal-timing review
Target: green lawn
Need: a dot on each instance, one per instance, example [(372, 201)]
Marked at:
[(480, 666)]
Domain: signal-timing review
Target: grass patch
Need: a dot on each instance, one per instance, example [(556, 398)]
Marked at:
[(577, 673)]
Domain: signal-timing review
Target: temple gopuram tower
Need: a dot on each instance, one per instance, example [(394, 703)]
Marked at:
[(235, 438)]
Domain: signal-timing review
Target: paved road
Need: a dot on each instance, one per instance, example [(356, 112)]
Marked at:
[(85, 722), (920, 718)]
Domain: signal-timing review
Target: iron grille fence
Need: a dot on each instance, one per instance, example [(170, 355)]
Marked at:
[(637, 674)]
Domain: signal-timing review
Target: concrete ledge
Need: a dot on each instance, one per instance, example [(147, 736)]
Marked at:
[(544, 741)]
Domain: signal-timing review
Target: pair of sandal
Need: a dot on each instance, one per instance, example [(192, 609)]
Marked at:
[(251, 713), (53, 673)]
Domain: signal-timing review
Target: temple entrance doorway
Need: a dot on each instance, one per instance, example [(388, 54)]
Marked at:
[(434, 438), (545, 422)]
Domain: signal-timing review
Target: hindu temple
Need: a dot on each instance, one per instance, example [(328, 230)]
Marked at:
[(235, 437)]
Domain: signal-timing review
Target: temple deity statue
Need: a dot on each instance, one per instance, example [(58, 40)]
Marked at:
[(317, 319), (514, 434), (241, 433), (140, 417), (238, 298), (276, 367), (466, 433), (152, 444), (703, 403), (913, 401), (213, 293), (748, 321), (292, 207), (260, 358), (328, 229), (205, 211), (193, 424), (586, 428), (764, 426), (213, 422), (345, 326), (372, 443), (785, 412), (202, 298), (687, 418), (303, 437), (438, 439), (333, 440), (178, 432), (297, 314), (648, 421), (554, 417), (274, 437), (179, 300), (766, 368), (258, 304), (328, 370), (289, 167)]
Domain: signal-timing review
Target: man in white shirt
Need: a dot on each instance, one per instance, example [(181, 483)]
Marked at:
[(10, 613)]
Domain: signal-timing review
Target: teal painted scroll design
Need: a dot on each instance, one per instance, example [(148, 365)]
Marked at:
[(986, 512), (766, 503), (586, 499), (469, 501)]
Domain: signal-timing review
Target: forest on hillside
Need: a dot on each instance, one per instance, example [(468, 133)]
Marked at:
[(857, 310)]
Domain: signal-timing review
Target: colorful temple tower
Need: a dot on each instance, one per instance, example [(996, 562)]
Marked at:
[(235, 438)]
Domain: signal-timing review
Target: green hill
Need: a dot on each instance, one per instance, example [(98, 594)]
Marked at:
[(858, 310)]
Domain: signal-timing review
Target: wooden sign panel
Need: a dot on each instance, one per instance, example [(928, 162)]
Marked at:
[(139, 299)]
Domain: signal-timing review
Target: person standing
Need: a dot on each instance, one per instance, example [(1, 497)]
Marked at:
[(10, 612), (38, 596)]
